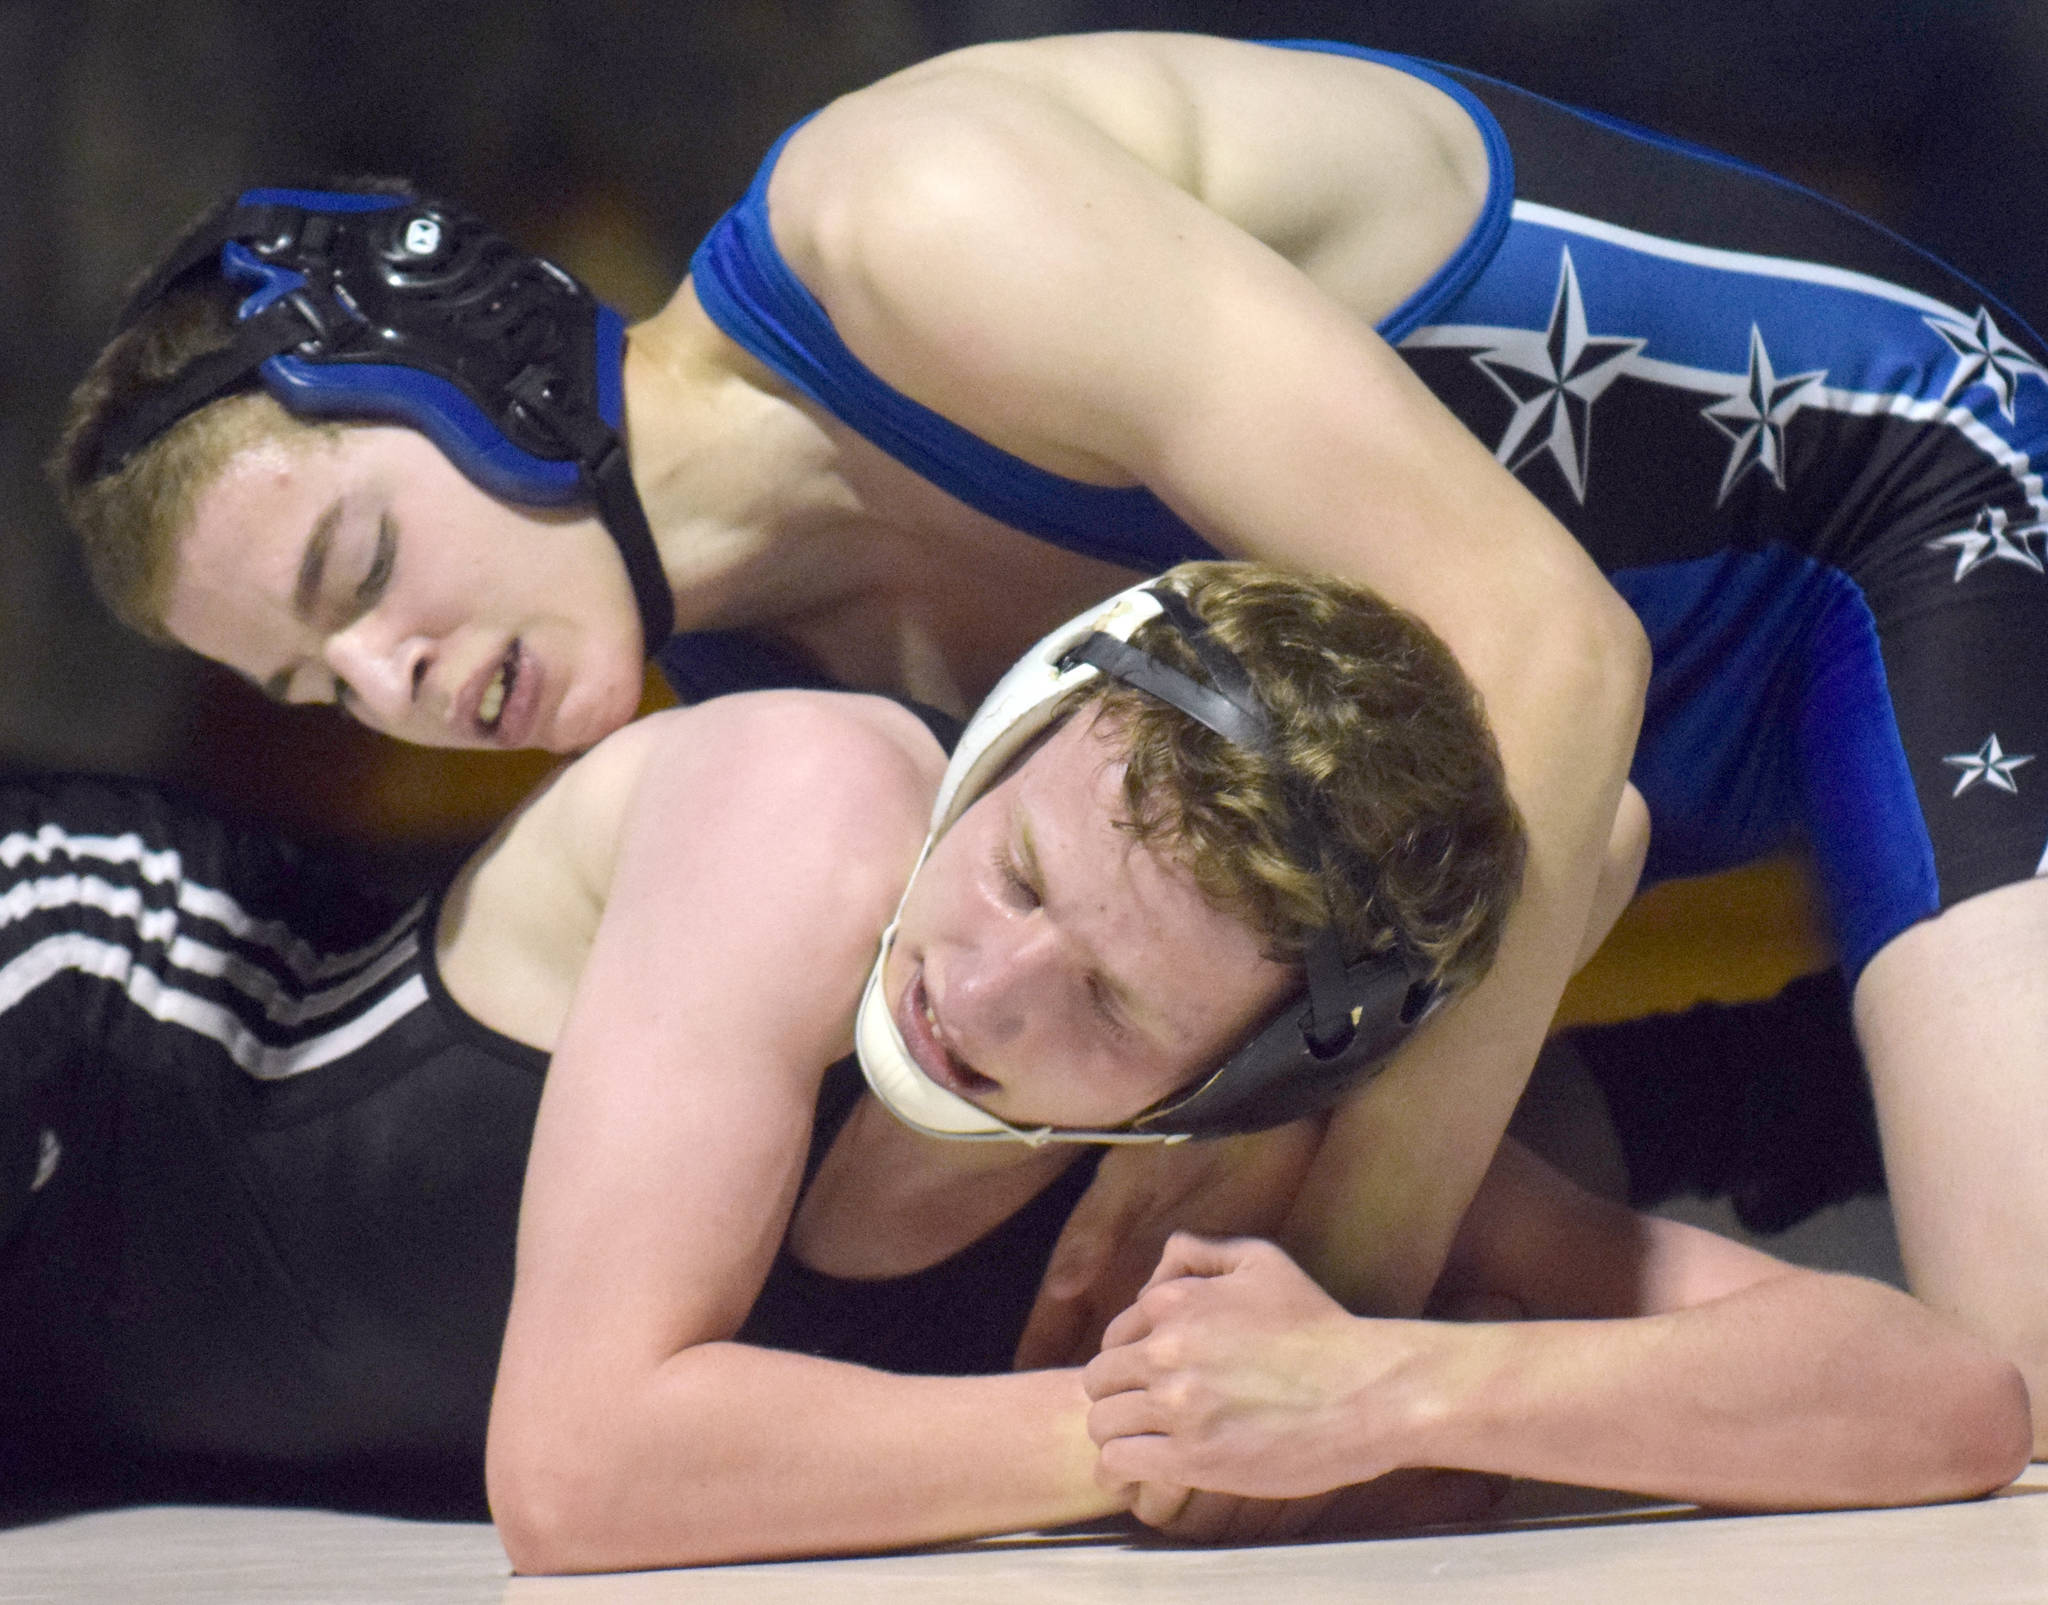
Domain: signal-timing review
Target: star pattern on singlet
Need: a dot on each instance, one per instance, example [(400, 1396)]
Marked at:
[(1754, 417), (1553, 376), (1989, 540), (1990, 763), (1985, 356)]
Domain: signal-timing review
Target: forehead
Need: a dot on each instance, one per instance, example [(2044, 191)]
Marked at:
[(237, 558)]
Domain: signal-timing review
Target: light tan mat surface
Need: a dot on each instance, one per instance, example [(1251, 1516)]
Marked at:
[(1559, 1548)]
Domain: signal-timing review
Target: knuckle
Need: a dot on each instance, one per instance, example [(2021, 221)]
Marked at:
[(1168, 1298), (1165, 1353)]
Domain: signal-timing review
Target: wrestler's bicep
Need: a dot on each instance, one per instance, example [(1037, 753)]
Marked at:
[(755, 866)]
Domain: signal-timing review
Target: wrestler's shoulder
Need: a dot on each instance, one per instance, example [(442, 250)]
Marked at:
[(940, 131), (820, 744)]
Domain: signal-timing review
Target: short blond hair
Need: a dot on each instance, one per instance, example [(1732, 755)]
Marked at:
[(1377, 733), (129, 520)]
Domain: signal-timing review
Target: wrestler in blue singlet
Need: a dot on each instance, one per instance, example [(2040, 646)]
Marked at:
[(1803, 451)]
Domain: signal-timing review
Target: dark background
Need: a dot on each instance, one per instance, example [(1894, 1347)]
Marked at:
[(610, 133)]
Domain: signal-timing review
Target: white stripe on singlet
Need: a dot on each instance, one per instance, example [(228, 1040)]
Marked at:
[(165, 866), (356, 974)]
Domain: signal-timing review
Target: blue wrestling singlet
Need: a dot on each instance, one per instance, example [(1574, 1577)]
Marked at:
[(1802, 450)]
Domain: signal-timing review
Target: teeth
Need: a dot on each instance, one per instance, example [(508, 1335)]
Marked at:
[(492, 702)]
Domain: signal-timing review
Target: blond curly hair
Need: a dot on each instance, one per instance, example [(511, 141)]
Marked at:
[(1378, 735)]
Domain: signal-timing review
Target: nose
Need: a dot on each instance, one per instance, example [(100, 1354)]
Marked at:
[(1012, 991), (384, 674)]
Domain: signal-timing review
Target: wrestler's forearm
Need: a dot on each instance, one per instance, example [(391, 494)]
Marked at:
[(1403, 1158), (733, 1453), (1803, 1391), (1396, 1167)]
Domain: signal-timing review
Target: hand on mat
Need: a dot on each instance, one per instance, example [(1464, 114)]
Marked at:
[(1234, 1186), (1234, 1372)]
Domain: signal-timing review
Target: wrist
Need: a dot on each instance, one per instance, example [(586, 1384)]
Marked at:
[(1432, 1395), (1078, 1489)]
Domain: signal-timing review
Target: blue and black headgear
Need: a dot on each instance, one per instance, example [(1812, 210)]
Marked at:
[(1342, 1025), (397, 307)]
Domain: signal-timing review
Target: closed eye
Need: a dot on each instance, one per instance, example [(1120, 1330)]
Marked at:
[(383, 559), (1104, 1002), (1017, 887)]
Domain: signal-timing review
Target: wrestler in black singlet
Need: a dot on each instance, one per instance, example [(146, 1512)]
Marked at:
[(259, 1179)]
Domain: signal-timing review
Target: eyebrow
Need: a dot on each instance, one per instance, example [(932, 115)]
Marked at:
[(312, 577), (313, 564)]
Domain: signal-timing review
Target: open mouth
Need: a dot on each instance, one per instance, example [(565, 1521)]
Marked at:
[(490, 707), (926, 1039)]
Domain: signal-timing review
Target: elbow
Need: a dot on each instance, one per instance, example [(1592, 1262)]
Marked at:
[(1986, 1435), (546, 1511), (568, 1500), (2006, 1434), (1620, 653), (557, 1499), (1585, 652)]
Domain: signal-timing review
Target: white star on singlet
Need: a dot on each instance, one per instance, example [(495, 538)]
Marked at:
[(1553, 376), (1754, 417), (1984, 356), (1990, 764), (1990, 541)]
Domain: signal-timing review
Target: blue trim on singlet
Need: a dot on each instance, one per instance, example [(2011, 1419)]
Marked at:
[(1771, 642), (750, 292)]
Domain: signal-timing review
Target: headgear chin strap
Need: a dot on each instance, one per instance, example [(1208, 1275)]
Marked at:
[(406, 309), (1313, 1049)]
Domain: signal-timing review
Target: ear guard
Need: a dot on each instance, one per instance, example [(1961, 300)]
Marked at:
[(401, 308), (1312, 1050)]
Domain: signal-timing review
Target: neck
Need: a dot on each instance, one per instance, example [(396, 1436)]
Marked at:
[(741, 489)]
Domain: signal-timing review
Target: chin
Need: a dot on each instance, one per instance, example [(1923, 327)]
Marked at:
[(581, 725)]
